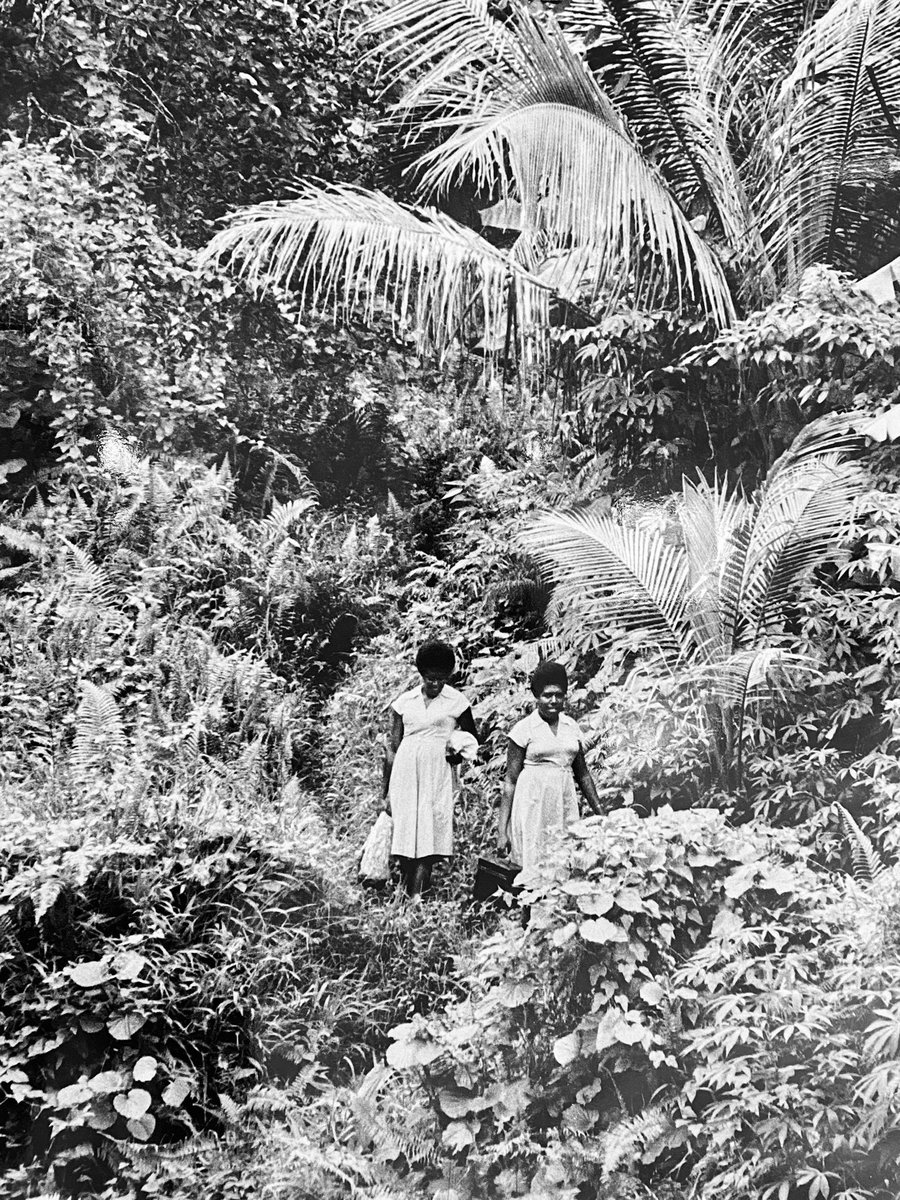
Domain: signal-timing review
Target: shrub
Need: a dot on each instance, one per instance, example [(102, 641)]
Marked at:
[(147, 983), (690, 1010)]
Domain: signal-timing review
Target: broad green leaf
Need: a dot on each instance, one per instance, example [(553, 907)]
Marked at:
[(515, 993), (566, 1049), (89, 974), (460, 1134), (141, 1127), (596, 903), (651, 992), (123, 1025), (145, 1068), (106, 1082), (416, 1052), (457, 1104), (629, 900), (74, 1093), (132, 1104), (176, 1092), (102, 1116), (601, 931), (128, 965)]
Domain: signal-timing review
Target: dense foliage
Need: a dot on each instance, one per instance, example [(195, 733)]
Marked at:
[(228, 518)]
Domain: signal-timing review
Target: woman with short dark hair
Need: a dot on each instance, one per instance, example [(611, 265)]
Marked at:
[(545, 760), (420, 777)]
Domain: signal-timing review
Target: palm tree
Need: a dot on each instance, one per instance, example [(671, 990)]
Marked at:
[(707, 610), (693, 154)]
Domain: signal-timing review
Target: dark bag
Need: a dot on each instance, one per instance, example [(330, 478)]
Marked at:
[(492, 878)]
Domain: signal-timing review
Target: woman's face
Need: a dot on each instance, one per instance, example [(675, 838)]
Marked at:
[(433, 682), (551, 701)]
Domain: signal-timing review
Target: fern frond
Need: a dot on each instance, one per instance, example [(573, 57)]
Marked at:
[(86, 584), (99, 733), (627, 1139), (283, 517), (867, 864), (48, 893)]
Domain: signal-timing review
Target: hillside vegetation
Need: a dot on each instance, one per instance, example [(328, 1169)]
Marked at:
[(326, 329)]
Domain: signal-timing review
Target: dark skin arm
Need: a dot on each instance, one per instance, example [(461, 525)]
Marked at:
[(465, 722), (515, 761), (394, 738), (585, 782)]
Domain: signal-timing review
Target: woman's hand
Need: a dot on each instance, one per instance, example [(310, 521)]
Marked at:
[(453, 758), (503, 840)]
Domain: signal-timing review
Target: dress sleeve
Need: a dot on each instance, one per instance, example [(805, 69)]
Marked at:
[(400, 705), (460, 704), (520, 733)]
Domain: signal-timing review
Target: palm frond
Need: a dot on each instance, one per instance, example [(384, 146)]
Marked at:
[(838, 110), (616, 577), (642, 41), (798, 526), (764, 670), (439, 45), (710, 520), (551, 138), (342, 248)]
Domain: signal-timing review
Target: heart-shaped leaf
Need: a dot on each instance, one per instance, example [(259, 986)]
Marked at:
[(578, 887), (128, 965), (596, 904), (75, 1093), (106, 1082), (602, 931), (566, 1049), (123, 1025), (458, 1103), (515, 993), (651, 992), (89, 974), (629, 900), (141, 1127), (460, 1134), (145, 1068), (416, 1052), (101, 1116), (132, 1104)]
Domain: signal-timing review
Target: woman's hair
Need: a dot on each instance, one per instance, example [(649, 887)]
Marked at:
[(549, 674), (437, 657)]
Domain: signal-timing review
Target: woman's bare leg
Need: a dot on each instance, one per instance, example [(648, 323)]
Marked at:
[(421, 877)]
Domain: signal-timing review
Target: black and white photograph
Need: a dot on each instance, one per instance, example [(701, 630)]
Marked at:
[(450, 600)]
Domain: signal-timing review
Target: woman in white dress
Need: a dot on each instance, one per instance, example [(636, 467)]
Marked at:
[(545, 760), (420, 775)]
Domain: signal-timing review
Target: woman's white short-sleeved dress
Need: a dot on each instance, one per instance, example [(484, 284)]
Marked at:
[(423, 785), (545, 797)]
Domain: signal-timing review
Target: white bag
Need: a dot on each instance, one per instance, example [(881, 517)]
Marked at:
[(375, 864), (463, 744)]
